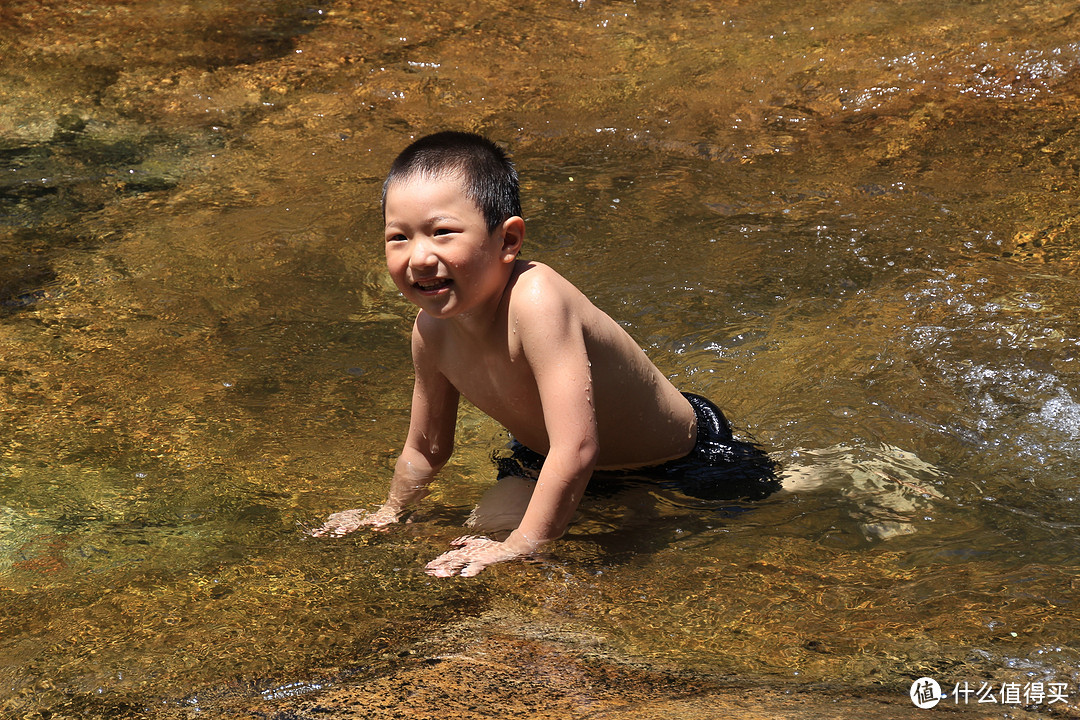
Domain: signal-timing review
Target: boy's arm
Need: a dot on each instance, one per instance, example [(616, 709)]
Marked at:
[(427, 446), (554, 345), (430, 441), (555, 349)]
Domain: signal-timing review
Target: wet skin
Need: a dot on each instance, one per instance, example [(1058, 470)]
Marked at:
[(524, 346)]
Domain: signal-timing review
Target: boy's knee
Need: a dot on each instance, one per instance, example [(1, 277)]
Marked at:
[(503, 505)]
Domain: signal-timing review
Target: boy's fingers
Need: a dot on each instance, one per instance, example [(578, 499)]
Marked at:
[(449, 563), (471, 557), (442, 569), (347, 521), (327, 529), (472, 569)]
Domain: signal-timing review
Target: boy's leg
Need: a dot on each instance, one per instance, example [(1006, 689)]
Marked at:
[(502, 506)]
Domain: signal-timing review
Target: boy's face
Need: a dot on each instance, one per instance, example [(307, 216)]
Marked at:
[(438, 248)]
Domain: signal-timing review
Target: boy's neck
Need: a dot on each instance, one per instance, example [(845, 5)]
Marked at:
[(478, 322)]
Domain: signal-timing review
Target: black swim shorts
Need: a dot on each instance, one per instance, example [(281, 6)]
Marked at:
[(718, 468)]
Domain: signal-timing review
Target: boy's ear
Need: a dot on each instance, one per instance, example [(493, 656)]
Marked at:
[(513, 236)]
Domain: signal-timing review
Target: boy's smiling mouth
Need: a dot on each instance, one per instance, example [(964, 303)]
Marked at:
[(432, 284)]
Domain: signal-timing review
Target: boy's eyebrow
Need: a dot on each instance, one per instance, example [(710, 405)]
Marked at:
[(395, 226), (433, 220)]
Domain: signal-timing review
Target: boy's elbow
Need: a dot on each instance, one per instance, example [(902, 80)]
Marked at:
[(439, 456), (588, 453), (439, 461), (432, 457), (574, 459)]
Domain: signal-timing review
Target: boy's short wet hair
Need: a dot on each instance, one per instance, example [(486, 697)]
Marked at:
[(489, 177)]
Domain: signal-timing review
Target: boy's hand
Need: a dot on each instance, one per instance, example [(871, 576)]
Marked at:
[(473, 555), (346, 521)]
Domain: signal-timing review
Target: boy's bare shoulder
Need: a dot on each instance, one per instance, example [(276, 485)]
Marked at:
[(428, 333), (539, 288), (545, 306), (424, 324), (530, 273)]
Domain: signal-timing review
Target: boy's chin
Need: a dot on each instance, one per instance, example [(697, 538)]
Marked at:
[(438, 310)]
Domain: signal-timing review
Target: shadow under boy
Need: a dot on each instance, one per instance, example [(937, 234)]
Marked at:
[(524, 346)]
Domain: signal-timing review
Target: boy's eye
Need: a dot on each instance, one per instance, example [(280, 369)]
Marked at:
[(443, 231), (395, 238)]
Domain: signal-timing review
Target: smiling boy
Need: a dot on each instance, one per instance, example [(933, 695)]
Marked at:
[(519, 342)]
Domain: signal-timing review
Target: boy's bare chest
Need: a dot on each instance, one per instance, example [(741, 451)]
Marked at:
[(495, 378)]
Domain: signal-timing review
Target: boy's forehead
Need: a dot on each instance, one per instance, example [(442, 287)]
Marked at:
[(415, 182), (420, 184)]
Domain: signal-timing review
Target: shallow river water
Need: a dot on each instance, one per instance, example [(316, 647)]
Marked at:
[(854, 225)]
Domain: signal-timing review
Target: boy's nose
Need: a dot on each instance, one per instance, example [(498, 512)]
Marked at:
[(422, 255)]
